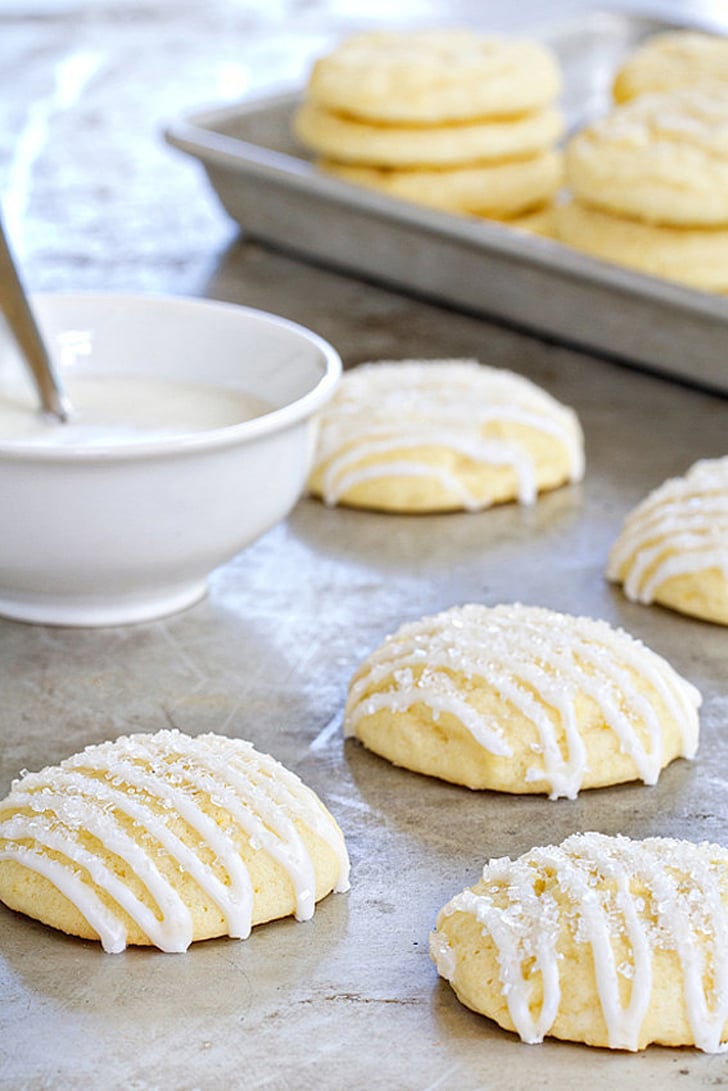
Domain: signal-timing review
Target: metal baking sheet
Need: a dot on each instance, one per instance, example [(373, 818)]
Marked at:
[(350, 999), (265, 181)]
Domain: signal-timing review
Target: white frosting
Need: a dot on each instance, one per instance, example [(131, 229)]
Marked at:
[(116, 410), (389, 411), (539, 662), (151, 781), (680, 529), (657, 893)]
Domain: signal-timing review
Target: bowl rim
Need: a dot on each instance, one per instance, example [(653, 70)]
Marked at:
[(210, 439)]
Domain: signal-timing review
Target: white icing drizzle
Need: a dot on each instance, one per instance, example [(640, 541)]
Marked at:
[(382, 411), (655, 894), (539, 662), (154, 781), (104, 922), (681, 528)]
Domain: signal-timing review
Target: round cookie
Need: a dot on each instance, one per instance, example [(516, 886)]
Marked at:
[(676, 58), (662, 159), (348, 140), (522, 699), (165, 839), (673, 547), (442, 435), (434, 76), (696, 257), (500, 190), (602, 940)]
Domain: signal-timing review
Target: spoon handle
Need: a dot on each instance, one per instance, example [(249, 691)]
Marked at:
[(14, 304)]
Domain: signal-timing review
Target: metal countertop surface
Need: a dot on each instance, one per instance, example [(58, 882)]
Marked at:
[(95, 200)]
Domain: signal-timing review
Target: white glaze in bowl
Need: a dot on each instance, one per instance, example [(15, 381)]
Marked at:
[(109, 534)]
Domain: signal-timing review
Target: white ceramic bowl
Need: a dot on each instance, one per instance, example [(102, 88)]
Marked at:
[(109, 535)]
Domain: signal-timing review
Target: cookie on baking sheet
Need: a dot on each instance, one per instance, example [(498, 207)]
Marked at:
[(522, 699), (661, 159), (350, 140), (696, 257), (602, 940), (161, 840), (673, 547), (499, 190), (434, 76), (675, 58), (442, 435)]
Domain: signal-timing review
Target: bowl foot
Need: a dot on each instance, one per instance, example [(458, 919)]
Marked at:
[(98, 610)]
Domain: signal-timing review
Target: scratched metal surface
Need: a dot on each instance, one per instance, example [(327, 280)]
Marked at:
[(351, 997)]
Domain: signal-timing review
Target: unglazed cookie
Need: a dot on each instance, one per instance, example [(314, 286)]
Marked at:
[(696, 257), (350, 140), (499, 190), (434, 76), (603, 940), (165, 839), (677, 58), (522, 699), (673, 548), (442, 435), (662, 159)]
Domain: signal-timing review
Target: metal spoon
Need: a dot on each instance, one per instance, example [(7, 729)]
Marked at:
[(16, 308)]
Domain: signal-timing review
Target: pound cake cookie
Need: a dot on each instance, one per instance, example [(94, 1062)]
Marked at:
[(696, 257), (602, 940), (434, 76), (442, 435), (446, 118), (161, 840), (676, 58), (662, 159), (522, 699), (650, 187), (361, 143), (494, 190), (673, 548)]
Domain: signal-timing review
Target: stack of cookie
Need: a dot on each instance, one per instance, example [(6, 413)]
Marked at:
[(650, 186), (445, 118)]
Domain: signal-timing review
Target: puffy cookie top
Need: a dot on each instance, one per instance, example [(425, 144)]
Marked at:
[(433, 76)]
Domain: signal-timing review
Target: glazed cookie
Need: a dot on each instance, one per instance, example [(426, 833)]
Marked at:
[(677, 58), (522, 699), (498, 190), (602, 940), (662, 159), (673, 548), (442, 435), (161, 840), (696, 257), (348, 140), (434, 76)]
